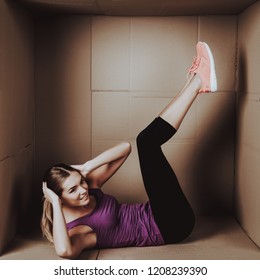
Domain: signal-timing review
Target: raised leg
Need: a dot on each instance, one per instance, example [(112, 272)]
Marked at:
[(171, 209), (176, 110)]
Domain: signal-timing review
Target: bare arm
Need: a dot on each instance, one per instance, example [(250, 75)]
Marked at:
[(65, 246), (99, 169)]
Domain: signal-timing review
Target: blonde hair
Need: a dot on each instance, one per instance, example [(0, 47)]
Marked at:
[(54, 177), (47, 221)]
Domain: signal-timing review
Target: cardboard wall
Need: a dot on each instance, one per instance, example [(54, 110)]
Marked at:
[(247, 191), (138, 65), (63, 97), (100, 80), (16, 119)]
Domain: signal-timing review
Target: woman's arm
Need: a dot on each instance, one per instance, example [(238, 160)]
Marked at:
[(65, 246), (98, 170)]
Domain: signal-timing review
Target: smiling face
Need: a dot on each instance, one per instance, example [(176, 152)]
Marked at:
[(75, 191)]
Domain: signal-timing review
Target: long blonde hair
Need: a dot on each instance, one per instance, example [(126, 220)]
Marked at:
[(54, 177)]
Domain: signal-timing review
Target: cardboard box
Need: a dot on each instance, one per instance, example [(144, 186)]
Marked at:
[(93, 81)]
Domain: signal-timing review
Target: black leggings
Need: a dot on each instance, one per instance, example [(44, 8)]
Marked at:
[(172, 211)]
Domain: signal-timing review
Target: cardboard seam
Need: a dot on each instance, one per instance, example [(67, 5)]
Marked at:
[(5, 158), (235, 141)]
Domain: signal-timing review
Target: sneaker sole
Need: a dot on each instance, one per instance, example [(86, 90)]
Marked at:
[(213, 78)]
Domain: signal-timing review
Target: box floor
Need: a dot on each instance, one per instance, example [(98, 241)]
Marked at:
[(214, 238)]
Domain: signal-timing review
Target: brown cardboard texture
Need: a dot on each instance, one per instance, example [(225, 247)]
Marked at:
[(73, 85)]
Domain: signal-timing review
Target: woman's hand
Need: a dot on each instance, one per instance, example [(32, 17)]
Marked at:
[(50, 195), (84, 169)]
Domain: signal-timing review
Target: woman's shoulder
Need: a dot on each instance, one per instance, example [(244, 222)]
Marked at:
[(95, 191)]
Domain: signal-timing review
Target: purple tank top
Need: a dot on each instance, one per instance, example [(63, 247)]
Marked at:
[(120, 225)]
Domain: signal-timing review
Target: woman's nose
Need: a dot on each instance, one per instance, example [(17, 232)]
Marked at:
[(82, 189)]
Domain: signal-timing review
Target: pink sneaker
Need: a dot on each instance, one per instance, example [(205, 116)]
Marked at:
[(203, 65)]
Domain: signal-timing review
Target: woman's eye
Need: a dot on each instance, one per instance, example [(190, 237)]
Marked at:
[(71, 190)]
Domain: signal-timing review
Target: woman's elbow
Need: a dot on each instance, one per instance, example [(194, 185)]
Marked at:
[(67, 254), (127, 147)]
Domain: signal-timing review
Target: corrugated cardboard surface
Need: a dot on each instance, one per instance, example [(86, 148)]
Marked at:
[(140, 7), (214, 238), (63, 99), (16, 118), (136, 66), (247, 191), (100, 80), (135, 77)]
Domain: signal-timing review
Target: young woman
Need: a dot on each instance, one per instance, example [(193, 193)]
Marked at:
[(77, 215)]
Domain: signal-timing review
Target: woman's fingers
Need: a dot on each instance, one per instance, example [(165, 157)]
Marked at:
[(44, 186), (49, 194), (80, 168)]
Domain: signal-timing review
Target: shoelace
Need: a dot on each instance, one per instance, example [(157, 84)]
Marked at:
[(195, 64)]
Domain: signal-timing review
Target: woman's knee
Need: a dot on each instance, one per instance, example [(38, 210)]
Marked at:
[(141, 140), (187, 229), (181, 231)]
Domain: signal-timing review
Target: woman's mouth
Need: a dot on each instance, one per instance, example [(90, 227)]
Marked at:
[(84, 197)]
